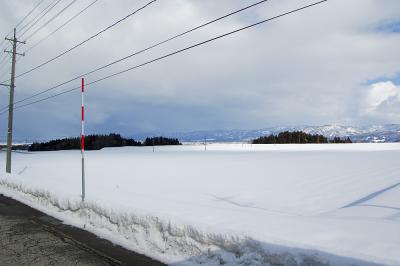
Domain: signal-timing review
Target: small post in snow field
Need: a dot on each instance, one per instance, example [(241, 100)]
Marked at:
[(83, 140)]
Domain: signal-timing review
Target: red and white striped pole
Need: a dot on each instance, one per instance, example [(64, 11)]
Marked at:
[(83, 139)]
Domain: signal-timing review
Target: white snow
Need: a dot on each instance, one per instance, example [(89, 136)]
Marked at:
[(237, 204)]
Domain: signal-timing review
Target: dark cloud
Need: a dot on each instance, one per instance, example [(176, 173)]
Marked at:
[(308, 68)]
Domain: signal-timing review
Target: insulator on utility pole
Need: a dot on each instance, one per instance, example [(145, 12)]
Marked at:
[(11, 100)]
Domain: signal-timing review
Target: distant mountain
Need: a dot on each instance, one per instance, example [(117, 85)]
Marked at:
[(375, 133)]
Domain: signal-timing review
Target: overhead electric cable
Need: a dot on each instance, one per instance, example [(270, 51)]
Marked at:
[(46, 11), (171, 54), (29, 13), (141, 51), (36, 16), (26, 16), (3, 60), (50, 20), (3, 45), (4, 63), (60, 27), (19, 23), (86, 40), (6, 71)]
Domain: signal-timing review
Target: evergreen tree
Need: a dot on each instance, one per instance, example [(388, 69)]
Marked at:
[(161, 141), (300, 137), (97, 142)]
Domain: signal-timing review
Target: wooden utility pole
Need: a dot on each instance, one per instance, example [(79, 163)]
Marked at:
[(11, 102)]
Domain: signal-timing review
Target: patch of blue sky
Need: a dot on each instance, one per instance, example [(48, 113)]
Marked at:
[(389, 27), (394, 78)]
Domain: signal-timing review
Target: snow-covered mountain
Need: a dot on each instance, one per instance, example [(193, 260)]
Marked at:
[(374, 133)]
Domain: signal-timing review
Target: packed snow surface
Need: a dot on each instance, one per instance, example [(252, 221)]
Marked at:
[(234, 204)]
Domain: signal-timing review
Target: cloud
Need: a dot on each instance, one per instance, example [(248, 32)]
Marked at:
[(383, 101), (380, 93), (307, 68)]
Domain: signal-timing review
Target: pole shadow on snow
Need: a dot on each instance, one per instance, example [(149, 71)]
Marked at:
[(363, 202), (250, 205), (371, 196)]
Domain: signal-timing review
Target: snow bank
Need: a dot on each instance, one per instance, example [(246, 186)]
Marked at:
[(230, 206), (158, 238)]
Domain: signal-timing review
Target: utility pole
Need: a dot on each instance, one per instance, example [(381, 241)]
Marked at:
[(11, 102)]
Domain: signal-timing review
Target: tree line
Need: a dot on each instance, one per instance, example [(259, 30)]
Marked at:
[(97, 142), (298, 137), (161, 141)]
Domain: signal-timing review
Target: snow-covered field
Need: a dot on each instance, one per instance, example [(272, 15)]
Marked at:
[(234, 204)]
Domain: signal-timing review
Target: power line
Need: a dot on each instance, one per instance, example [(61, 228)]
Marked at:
[(26, 16), (3, 60), (51, 19), (46, 11), (76, 46), (171, 54), (87, 40), (29, 13), (60, 27), (141, 51), (39, 17), (6, 72), (36, 16), (4, 47), (3, 74), (3, 65), (6, 67), (21, 21)]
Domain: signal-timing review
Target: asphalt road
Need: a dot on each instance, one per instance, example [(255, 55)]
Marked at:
[(29, 237)]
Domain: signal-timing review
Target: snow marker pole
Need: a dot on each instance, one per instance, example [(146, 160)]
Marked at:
[(83, 140)]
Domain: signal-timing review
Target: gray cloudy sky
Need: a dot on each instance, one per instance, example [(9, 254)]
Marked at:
[(333, 63)]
